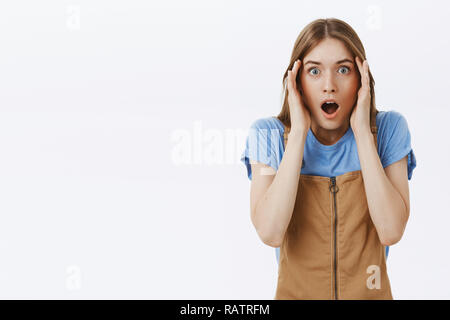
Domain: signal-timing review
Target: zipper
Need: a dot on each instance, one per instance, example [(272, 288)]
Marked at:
[(334, 188)]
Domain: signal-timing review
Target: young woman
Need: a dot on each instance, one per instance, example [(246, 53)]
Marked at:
[(330, 175)]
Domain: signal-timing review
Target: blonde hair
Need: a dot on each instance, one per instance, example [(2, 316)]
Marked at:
[(308, 38)]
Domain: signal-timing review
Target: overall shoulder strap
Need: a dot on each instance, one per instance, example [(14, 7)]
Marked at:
[(374, 128), (286, 133)]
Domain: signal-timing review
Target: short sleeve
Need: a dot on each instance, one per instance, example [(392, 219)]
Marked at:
[(263, 144), (396, 141)]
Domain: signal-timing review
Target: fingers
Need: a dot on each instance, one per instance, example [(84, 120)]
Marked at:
[(292, 75), (295, 68), (364, 72), (289, 81)]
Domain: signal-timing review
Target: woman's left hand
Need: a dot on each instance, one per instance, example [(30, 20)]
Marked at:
[(360, 117)]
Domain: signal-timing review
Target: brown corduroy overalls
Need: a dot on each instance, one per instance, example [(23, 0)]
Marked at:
[(331, 249)]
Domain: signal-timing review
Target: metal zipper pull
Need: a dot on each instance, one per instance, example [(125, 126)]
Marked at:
[(333, 187)]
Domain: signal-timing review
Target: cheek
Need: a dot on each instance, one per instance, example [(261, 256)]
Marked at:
[(350, 89), (309, 90)]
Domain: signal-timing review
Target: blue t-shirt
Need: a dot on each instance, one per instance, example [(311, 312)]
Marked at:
[(265, 144)]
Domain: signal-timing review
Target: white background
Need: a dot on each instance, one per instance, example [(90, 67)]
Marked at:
[(98, 97)]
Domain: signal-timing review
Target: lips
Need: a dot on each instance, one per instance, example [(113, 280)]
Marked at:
[(330, 108)]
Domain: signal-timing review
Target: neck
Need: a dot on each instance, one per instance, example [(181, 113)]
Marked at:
[(329, 137)]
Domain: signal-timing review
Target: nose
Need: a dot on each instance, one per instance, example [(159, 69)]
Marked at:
[(329, 84)]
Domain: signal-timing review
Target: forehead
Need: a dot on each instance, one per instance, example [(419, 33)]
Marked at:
[(328, 51)]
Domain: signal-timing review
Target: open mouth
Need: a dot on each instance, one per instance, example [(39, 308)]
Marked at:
[(330, 107)]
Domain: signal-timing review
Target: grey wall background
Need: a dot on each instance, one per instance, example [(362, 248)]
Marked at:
[(122, 124)]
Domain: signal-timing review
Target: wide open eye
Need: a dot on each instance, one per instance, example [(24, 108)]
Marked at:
[(346, 69), (315, 73)]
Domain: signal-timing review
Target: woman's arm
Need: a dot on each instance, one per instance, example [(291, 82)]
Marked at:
[(387, 190), (273, 194), (387, 198)]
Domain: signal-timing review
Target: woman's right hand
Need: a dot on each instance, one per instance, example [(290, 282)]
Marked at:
[(300, 115)]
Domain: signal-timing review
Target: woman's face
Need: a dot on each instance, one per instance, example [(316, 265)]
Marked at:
[(329, 72)]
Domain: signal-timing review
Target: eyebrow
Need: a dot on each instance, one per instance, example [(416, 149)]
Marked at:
[(340, 61)]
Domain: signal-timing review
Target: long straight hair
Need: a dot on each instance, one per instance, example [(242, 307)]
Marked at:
[(308, 38)]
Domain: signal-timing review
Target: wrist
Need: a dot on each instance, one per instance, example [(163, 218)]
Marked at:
[(362, 133), (297, 133)]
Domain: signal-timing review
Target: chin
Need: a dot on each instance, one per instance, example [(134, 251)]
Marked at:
[(331, 126)]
